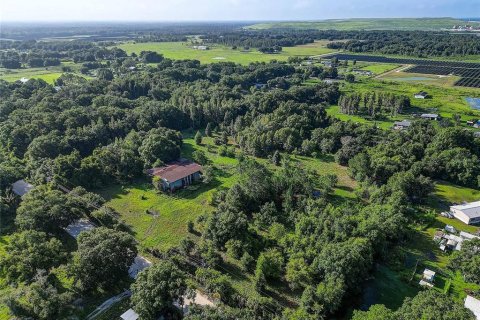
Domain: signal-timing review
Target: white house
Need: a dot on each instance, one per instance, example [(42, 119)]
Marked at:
[(473, 305), (468, 213), (430, 116), (400, 125)]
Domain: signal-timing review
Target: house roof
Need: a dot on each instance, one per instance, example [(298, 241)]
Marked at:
[(473, 305), (403, 123), (75, 228), (429, 115), (421, 93), (468, 236), (130, 315), (428, 273), (21, 187), (471, 210), (138, 265), (176, 170)]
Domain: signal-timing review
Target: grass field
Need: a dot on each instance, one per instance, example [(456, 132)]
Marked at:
[(218, 53), (379, 68), (418, 78), (444, 100), (49, 74), (365, 24)]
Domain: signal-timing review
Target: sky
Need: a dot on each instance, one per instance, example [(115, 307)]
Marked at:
[(237, 10)]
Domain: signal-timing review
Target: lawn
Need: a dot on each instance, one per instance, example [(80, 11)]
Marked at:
[(379, 68), (219, 53)]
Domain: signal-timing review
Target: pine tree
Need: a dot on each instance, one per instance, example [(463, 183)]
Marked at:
[(198, 138)]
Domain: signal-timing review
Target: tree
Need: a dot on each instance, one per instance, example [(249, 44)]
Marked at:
[(46, 210), (156, 289), (432, 305), (350, 78), (276, 158), (103, 258), (40, 300), (208, 130), (216, 284), (198, 138), (270, 263), (28, 251), (376, 312), (157, 149), (200, 157), (105, 74), (467, 260)]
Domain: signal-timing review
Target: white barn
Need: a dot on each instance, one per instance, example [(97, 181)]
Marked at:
[(468, 213)]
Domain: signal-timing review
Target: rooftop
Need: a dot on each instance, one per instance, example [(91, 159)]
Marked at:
[(471, 209), (75, 228), (473, 305), (21, 187), (130, 315), (176, 170)]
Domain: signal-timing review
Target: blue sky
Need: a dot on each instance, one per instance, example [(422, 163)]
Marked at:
[(201, 10)]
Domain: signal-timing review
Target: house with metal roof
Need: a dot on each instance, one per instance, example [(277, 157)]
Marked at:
[(177, 174), (468, 213)]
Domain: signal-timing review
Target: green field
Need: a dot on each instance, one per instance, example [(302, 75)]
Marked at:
[(49, 74), (218, 53), (444, 100), (365, 24), (379, 68)]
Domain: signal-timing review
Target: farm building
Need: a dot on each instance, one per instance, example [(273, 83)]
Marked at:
[(200, 47), (177, 174), (430, 116), (452, 241), (473, 305), (468, 213), (363, 72), (420, 95), (21, 187), (400, 125), (476, 134)]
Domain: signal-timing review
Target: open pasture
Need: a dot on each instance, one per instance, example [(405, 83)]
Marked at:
[(218, 53)]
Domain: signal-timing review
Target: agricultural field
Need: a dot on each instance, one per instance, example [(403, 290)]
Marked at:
[(364, 24), (218, 53)]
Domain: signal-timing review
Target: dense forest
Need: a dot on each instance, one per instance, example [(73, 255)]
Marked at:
[(277, 219)]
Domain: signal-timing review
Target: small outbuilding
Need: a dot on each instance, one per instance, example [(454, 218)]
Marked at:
[(427, 278), (400, 125), (130, 314), (21, 187), (74, 229), (430, 116), (420, 95)]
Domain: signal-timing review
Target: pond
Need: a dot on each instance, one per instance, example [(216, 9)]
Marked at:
[(474, 103)]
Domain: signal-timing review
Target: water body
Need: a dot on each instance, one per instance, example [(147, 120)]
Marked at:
[(474, 103)]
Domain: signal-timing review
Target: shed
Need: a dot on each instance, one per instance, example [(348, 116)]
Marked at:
[(130, 314), (450, 229), (420, 95), (400, 125), (21, 187), (430, 116)]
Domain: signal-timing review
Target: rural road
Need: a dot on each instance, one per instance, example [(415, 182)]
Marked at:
[(399, 69), (107, 304)]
